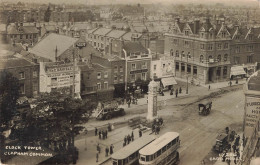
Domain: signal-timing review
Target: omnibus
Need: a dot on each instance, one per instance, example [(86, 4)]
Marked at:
[(129, 154), (162, 151)]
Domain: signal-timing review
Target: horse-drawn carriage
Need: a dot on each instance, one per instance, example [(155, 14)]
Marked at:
[(205, 107)]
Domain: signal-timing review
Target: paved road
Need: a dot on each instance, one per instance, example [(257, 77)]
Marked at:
[(198, 133)]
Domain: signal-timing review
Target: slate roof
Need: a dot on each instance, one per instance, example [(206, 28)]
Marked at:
[(24, 30), (116, 33), (132, 47), (13, 61), (46, 47), (128, 36), (102, 31)]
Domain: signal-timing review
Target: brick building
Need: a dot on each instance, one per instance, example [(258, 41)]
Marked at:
[(25, 71), (18, 33), (201, 51)]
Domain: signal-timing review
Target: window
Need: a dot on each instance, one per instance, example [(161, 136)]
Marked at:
[(115, 69), (133, 66), (121, 68), (249, 59), (133, 77), (237, 49), (158, 153), (35, 74), (95, 43), (144, 65), (35, 87), (201, 58), (163, 65), (164, 149), (225, 57), (211, 59), (237, 37), (22, 88), (210, 47), (171, 52), (186, 32), (98, 86), (186, 44), (95, 37), (237, 60), (250, 37), (121, 77), (219, 46), (177, 53), (223, 34), (219, 58), (177, 66), (99, 75), (106, 74), (188, 68), (21, 36), (182, 54), (154, 67), (182, 67), (226, 46), (21, 75), (225, 71), (202, 35), (143, 76), (53, 81), (250, 48), (115, 78), (26, 36), (105, 85), (194, 70), (218, 71), (189, 56), (202, 46)]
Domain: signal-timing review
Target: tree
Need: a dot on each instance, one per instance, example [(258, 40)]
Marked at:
[(47, 15), (9, 93), (54, 122)]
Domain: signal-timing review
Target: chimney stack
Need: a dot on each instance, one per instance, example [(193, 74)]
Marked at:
[(196, 26)]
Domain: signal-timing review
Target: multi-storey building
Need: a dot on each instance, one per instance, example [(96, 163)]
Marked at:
[(201, 50), (27, 72), (245, 48), (18, 33)]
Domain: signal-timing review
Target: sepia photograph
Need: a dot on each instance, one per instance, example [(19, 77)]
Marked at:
[(129, 82)]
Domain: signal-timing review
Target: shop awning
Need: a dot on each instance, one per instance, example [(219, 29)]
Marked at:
[(237, 70), (168, 81)]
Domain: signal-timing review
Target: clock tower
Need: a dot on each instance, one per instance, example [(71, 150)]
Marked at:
[(152, 101)]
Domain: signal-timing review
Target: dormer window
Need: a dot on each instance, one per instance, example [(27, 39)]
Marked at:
[(250, 37), (223, 34), (186, 32), (202, 35)]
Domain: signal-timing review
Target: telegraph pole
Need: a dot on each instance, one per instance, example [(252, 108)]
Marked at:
[(73, 83)]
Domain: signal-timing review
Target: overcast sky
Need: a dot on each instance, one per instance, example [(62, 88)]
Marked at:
[(235, 2)]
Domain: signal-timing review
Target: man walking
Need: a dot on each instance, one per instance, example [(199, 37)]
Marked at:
[(176, 93), (97, 156), (140, 133), (111, 149), (107, 151), (96, 130), (98, 148)]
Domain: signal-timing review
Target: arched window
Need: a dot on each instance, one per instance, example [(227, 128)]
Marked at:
[(189, 55), (219, 58), (201, 58), (182, 54), (171, 52), (225, 57), (177, 53), (225, 71)]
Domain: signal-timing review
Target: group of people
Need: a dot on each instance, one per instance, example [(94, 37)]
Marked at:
[(108, 150), (128, 138), (101, 134), (132, 100), (157, 123)]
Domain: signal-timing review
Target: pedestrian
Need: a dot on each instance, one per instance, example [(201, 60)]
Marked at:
[(96, 130), (171, 93), (209, 87), (228, 161), (103, 135), (111, 149), (97, 156), (125, 139), (227, 130), (109, 127), (180, 90), (99, 134), (107, 151), (128, 139), (98, 148), (234, 148), (176, 93), (136, 101), (129, 102), (132, 136), (140, 133)]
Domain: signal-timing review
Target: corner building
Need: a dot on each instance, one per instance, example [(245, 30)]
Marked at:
[(201, 51)]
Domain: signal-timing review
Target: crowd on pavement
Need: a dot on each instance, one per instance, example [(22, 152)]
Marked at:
[(128, 138)]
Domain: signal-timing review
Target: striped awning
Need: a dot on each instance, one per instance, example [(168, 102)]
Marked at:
[(237, 70), (168, 81)]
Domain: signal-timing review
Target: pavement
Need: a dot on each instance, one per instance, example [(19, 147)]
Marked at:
[(87, 143)]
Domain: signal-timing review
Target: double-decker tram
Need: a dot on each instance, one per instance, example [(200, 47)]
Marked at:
[(128, 155), (162, 151)]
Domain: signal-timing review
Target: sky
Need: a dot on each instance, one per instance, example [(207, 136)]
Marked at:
[(100, 2)]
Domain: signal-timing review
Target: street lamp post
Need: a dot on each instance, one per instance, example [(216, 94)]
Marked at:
[(187, 85)]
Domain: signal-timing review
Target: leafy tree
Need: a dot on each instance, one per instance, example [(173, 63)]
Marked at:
[(54, 121), (47, 14), (9, 93)]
